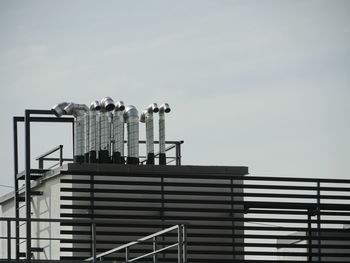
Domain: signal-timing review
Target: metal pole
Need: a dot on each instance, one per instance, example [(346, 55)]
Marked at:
[(8, 239), (15, 153), (178, 152), (27, 186), (126, 254), (61, 155), (179, 246), (177, 145), (41, 163), (309, 235), (73, 137), (154, 249), (184, 243), (233, 221), (319, 221), (93, 242)]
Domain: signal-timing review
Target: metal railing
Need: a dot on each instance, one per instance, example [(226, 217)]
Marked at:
[(180, 244), (173, 145), (44, 157)]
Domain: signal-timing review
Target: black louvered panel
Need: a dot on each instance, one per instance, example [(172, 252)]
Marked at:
[(207, 205)]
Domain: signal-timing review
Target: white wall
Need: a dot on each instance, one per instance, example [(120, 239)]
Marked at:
[(45, 206)]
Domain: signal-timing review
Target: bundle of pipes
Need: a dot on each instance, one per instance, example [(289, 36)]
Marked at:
[(99, 131)]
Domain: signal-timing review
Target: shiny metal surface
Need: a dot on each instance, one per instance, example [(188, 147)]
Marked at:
[(95, 105), (119, 106), (147, 117), (105, 124), (165, 108), (131, 117), (79, 133), (87, 132), (107, 104), (104, 142), (78, 111), (93, 127), (58, 109), (118, 128)]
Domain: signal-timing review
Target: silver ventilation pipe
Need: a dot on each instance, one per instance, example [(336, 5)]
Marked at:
[(147, 117), (165, 108), (118, 133), (131, 117), (78, 111), (92, 136), (58, 109), (105, 123)]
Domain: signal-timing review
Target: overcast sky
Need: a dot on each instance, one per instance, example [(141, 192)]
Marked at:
[(258, 83)]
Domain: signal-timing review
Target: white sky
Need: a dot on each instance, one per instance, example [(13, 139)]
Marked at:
[(258, 83)]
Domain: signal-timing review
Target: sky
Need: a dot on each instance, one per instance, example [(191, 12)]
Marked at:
[(263, 84)]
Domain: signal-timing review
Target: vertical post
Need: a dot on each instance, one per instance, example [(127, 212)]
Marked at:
[(318, 221), (8, 240), (154, 249), (41, 163), (178, 152), (73, 137), (233, 221), (27, 186), (184, 244), (61, 155), (179, 244), (126, 255), (309, 235), (93, 241), (15, 153)]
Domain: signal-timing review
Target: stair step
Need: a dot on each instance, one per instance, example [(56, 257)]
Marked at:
[(37, 249), (34, 174), (36, 193)]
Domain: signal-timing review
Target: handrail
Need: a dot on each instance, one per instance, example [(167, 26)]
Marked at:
[(181, 244), (174, 144), (93, 223), (41, 158), (49, 152)]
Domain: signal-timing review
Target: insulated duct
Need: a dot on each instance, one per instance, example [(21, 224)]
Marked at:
[(118, 133), (92, 132), (165, 108), (147, 117), (78, 111), (105, 123), (131, 117)]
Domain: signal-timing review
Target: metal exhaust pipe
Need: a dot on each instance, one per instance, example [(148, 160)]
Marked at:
[(131, 117), (147, 117), (78, 111), (92, 132), (118, 133), (105, 123), (58, 109), (165, 108)]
